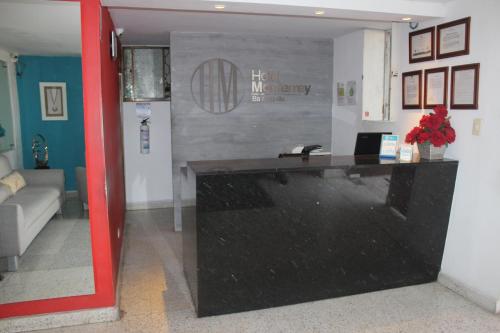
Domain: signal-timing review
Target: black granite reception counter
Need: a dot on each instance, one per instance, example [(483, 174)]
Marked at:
[(271, 232)]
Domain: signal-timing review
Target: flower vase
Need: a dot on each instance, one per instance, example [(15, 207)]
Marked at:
[(430, 152)]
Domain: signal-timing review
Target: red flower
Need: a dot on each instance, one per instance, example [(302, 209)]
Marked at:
[(441, 111), (434, 128), (424, 120), (434, 122), (437, 138), (450, 135), (424, 136), (411, 137)]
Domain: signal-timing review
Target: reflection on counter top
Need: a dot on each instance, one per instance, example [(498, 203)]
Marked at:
[(294, 163)]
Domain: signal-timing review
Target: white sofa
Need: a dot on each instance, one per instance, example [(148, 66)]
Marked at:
[(24, 214)]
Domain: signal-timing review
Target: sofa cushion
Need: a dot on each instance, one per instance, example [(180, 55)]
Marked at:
[(5, 167), (5, 193), (14, 181), (34, 200)]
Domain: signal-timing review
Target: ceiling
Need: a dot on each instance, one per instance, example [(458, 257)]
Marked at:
[(150, 21), (379, 10), (442, 1), (40, 27), (152, 27), (44, 27)]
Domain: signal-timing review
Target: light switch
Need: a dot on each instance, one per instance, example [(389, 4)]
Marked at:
[(476, 126)]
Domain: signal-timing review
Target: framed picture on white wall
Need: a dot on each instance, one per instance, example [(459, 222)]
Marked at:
[(435, 87), (53, 101), (453, 38), (465, 87), (412, 90), (421, 45)]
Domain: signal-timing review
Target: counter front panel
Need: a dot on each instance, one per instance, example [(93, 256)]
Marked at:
[(256, 238)]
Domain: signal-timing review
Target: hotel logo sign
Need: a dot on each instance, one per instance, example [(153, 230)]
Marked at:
[(215, 86), (267, 87)]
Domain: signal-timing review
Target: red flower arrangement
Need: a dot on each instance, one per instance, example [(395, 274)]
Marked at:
[(434, 128)]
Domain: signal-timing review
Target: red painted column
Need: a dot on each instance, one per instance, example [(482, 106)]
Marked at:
[(113, 142), (92, 41)]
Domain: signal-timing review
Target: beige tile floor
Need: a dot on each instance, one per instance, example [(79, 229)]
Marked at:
[(155, 298)]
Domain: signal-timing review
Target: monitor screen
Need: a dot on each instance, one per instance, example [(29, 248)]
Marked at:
[(369, 143)]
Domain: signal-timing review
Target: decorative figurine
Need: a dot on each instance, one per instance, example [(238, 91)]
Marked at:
[(40, 152)]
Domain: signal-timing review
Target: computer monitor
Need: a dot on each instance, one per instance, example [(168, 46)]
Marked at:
[(369, 143)]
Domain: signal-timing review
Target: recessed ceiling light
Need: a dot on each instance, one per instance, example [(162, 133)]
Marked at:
[(220, 6), (406, 19), (319, 12)]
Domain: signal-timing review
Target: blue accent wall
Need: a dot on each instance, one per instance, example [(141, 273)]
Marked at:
[(65, 138)]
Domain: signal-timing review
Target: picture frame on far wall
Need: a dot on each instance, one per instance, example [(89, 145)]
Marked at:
[(412, 90), (453, 38), (465, 87), (435, 87), (421, 45), (53, 101)]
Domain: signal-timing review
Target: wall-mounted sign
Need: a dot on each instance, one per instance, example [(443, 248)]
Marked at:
[(267, 87), (215, 86), (143, 110), (351, 92), (341, 94), (346, 93)]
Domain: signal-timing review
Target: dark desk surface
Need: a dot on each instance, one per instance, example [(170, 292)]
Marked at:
[(296, 163)]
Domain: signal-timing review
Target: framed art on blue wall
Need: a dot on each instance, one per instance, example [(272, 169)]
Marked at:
[(53, 101)]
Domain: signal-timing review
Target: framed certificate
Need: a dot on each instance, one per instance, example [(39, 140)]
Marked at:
[(435, 87), (421, 45), (453, 38), (465, 87), (412, 94)]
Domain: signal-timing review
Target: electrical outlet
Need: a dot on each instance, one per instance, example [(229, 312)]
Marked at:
[(476, 126)]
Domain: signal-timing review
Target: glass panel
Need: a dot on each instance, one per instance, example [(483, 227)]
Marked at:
[(167, 73), (6, 127), (387, 76), (128, 85), (46, 252), (146, 73)]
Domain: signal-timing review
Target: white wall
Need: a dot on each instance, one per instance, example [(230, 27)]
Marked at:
[(346, 120), (15, 156), (148, 178), (470, 264), (347, 66)]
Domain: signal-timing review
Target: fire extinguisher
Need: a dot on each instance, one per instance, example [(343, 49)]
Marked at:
[(144, 135)]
